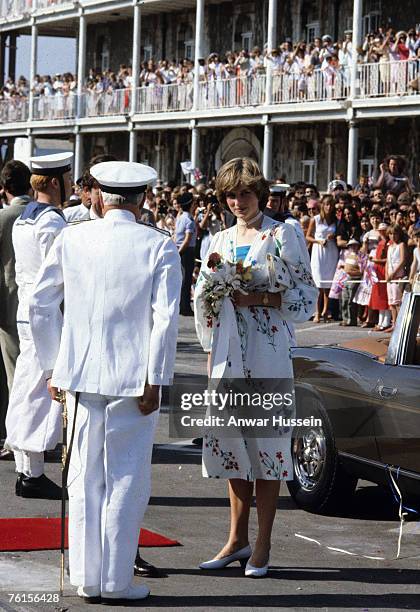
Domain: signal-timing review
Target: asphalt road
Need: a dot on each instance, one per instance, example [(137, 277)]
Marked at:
[(304, 575)]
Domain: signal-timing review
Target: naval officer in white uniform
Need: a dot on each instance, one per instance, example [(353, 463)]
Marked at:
[(116, 346), (33, 424)]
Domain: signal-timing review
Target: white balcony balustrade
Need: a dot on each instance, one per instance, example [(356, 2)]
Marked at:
[(382, 80), (54, 107), (17, 9), (106, 103), (388, 79), (164, 98), (14, 109)]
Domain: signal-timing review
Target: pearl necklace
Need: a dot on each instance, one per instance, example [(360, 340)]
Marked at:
[(250, 222)]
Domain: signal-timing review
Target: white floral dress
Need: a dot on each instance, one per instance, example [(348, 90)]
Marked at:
[(255, 345)]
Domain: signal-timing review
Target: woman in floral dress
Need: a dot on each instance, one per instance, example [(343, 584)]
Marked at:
[(249, 340)]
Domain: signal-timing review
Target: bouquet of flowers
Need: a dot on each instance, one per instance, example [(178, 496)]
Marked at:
[(222, 279)]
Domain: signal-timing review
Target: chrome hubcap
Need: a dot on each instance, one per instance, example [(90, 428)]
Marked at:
[(309, 453)]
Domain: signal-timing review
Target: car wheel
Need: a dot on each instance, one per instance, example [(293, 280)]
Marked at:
[(320, 484)]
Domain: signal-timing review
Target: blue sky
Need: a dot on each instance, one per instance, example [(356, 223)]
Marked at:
[(54, 55)]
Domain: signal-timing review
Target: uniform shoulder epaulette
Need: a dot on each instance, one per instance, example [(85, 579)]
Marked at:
[(158, 229), (78, 221)]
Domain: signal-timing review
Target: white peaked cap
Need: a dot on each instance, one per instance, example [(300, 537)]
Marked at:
[(55, 163), (121, 177), (279, 188)]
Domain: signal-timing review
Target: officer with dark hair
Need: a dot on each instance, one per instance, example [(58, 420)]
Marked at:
[(185, 239), (15, 181)]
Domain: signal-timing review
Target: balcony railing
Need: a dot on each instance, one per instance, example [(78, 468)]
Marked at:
[(105, 104), (16, 9), (14, 109), (55, 107), (374, 81), (389, 78)]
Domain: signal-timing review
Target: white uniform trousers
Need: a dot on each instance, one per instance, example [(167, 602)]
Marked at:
[(109, 484), (33, 421)]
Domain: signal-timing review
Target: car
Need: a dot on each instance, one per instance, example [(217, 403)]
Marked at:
[(365, 395)]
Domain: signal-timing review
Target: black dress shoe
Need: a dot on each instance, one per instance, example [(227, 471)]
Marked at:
[(145, 569), (18, 486), (40, 488), (6, 455)]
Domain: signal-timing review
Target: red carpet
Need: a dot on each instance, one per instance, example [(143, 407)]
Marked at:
[(44, 534)]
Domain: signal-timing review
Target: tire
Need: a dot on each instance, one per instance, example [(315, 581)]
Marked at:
[(320, 484)]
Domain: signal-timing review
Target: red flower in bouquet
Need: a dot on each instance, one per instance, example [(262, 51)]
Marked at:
[(214, 260)]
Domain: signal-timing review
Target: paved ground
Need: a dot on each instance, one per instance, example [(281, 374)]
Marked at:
[(184, 506)]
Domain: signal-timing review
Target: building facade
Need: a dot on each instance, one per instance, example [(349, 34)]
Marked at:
[(346, 126)]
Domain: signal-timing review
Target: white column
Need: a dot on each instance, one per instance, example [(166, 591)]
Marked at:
[(268, 151), (195, 150), (81, 62), (31, 145), (356, 42), (132, 149), (78, 156), (33, 65), (135, 63), (271, 43), (352, 154), (199, 37)]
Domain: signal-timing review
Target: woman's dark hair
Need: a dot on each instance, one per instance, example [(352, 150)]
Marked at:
[(185, 200), (15, 178), (354, 217), (401, 162)]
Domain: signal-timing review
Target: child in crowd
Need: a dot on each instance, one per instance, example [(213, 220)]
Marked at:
[(395, 270), (415, 266), (352, 266)]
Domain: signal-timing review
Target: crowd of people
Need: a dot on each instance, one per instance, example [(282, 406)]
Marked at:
[(351, 234), (298, 253), (315, 70)]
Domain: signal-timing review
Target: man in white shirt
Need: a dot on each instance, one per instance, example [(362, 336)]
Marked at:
[(112, 352)]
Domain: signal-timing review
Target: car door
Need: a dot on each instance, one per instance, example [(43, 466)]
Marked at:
[(397, 425), (343, 379)]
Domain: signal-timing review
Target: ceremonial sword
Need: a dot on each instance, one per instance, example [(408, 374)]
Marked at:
[(65, 462)]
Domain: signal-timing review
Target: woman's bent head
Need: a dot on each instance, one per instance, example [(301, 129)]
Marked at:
[(241, 186)]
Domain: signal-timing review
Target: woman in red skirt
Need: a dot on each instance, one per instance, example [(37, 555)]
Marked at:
[(379, 297)]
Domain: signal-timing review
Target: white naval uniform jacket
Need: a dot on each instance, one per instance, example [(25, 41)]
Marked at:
[(120, 282), (33, 421), (80, 212), (32, 240)]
